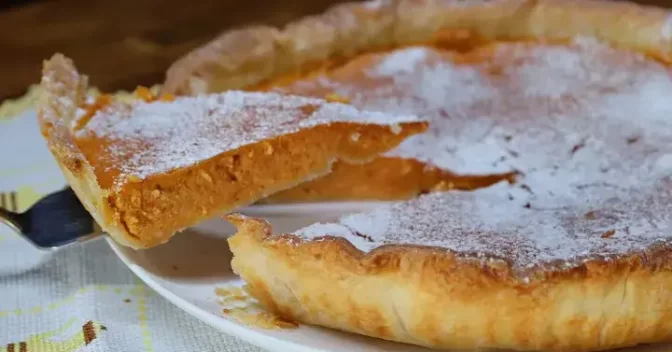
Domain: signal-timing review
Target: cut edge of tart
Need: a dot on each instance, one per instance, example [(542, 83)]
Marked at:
[(148, 168)]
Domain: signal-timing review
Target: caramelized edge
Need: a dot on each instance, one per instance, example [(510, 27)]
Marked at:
[(484, 269)]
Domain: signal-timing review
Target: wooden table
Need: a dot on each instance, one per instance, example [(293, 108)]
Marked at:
[(124, 43)]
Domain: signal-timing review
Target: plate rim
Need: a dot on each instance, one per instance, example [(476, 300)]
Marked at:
[(309, 208), (221, 324)]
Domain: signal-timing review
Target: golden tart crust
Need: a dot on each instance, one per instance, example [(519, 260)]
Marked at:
[(147, 169), (433, 297), (242, 58), (581, 264)]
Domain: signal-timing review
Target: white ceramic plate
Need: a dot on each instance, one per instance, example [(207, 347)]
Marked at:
[(187, 270)]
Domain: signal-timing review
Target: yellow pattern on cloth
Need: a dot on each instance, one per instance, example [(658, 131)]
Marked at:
[(15, 107), (26, 196), (45, 342), (142, 316), (69, 299), (11, 108)]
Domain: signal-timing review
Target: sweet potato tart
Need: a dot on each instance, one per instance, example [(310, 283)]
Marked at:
[(552, 119), (148, 168)]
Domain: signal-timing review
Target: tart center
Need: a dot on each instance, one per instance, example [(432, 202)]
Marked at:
[(587, 128)]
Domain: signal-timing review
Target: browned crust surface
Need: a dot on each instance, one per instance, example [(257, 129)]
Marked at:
[(145, 212), (427, 296)]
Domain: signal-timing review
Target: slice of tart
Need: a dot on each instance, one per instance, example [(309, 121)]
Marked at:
[(149, 168)]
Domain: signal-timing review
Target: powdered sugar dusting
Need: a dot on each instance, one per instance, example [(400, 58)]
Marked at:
[(522, 109), (151, 138), (486, 224), (588, 127), (401, 62), (667, 28)]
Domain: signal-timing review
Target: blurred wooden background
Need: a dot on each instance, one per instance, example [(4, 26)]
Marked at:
[(122, 43), (125, 43)]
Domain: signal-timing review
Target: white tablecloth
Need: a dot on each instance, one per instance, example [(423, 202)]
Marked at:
[(81, 298)]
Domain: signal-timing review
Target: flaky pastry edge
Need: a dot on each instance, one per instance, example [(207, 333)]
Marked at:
[(243, 57), (63, 91), (433, 297)]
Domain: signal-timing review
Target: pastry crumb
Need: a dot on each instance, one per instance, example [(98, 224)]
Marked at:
[(259, 319), (225, 292), (238, 304)]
